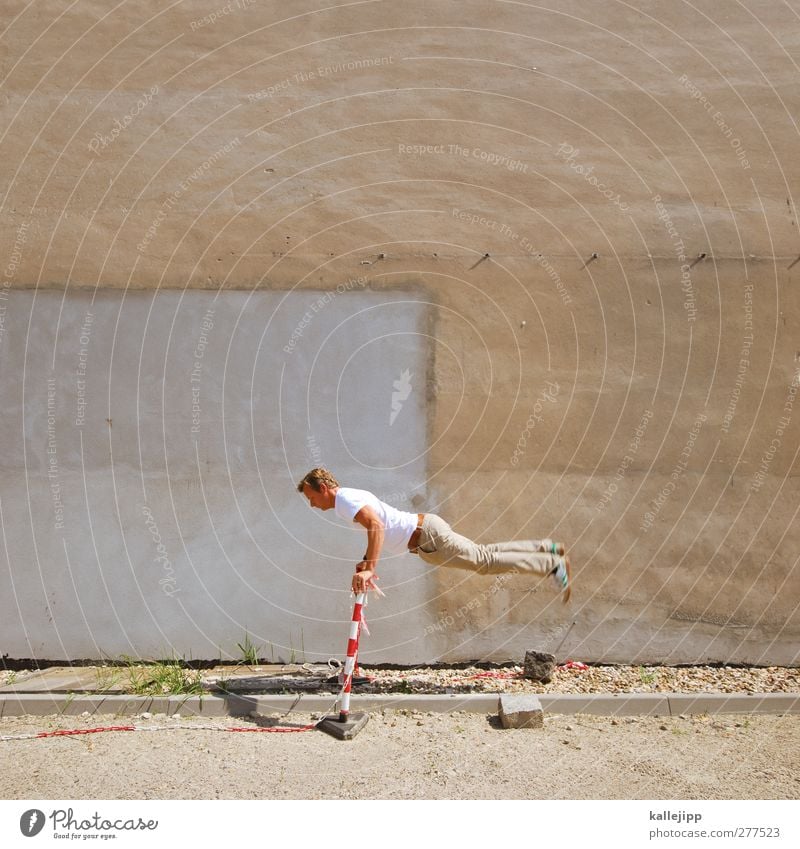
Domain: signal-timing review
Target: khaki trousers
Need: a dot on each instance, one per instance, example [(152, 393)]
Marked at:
[(440, 545)]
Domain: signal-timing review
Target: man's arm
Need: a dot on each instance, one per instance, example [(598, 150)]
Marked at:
[(365, 570)]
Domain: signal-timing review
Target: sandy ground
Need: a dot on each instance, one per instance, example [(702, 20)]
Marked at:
[(410, 756)]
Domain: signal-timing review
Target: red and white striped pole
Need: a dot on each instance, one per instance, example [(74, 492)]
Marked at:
[(352, 652)]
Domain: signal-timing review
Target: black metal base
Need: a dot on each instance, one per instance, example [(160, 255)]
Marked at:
[(343, 730)]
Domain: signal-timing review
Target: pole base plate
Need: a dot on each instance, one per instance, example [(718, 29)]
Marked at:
[(343, 730)]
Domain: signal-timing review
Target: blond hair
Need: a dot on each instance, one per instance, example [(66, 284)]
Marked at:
[(316, 477)]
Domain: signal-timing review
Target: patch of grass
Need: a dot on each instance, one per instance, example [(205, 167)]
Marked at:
[(249, 651), (107, 677), (647, 677), (68, 701), (165, 677), (159, 678), (12, 678), (292, 657)]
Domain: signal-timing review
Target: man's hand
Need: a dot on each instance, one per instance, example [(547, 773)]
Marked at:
[(363, 577)]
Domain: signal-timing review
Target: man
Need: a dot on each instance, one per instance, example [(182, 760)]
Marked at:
[(430, 537)]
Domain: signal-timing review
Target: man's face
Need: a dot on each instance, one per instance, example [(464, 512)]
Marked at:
[(321, 500)]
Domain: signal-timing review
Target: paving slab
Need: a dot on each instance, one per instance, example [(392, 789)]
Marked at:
[(116, 679), (264, 670), (265, 683), (69, 679)]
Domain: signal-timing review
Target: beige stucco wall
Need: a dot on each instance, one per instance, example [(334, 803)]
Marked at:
[(277, 147)]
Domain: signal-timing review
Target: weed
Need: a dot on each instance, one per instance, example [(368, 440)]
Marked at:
[(293, 657), (137, 679), (107, 678), (162, 677), (249, 651), (647, 677), (165, 677)]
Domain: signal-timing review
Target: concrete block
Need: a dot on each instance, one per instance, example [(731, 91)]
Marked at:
[(520, 711)]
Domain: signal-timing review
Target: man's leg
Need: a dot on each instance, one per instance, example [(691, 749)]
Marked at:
[(541, 545), (442, 546)]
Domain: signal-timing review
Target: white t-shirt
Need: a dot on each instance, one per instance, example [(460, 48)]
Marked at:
[(398, 525)]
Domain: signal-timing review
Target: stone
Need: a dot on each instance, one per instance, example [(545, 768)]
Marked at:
[(520, 711), (539, 666)]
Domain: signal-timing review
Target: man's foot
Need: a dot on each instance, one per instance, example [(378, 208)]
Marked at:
[(552, 547), (561, 576)]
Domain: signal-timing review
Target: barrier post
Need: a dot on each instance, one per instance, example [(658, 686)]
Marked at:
[(352, 653)]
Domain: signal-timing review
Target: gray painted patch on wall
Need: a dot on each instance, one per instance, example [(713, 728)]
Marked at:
[(152, 445)]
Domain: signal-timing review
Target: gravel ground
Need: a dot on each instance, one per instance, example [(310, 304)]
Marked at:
[(575, 679), (409, 756), (594, 679)]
